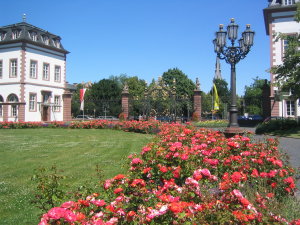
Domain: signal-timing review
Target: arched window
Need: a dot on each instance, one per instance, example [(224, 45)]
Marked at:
[(1, 108), (12, 98)]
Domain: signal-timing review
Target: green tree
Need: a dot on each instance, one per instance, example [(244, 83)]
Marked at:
[(253, 97), (120, 79), (206, 103), (184, 86), (136, 88), (105, 97), (184, 90), (288, 73), (223, 92)]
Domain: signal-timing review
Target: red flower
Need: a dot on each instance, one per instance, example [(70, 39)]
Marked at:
[(137, 182), (176, 207), (118, 190), (270, 195), (163, 169), (254, 173), (176, 172), (147, 169), (273, 185), (245, 202), (119, 177), (80, 216), (236, 177), (224, 185)]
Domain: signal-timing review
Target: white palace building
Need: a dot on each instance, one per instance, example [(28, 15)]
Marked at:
[(33, 83), (279, 17)]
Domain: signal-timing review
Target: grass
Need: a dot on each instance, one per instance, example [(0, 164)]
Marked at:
[(76, 152), (291, 133), (212, 123)]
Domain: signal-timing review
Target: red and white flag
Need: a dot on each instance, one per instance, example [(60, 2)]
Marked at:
[(81, 97)]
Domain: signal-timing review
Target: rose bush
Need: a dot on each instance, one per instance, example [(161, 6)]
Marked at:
[(152, 126), (187, 176)]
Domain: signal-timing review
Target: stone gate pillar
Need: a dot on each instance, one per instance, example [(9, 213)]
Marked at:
[(125, 101), (5, 112), (67, 102), (266, 100), (197, 102)]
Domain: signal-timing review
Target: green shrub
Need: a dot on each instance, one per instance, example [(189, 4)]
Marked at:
[(212, 123), (275, 125), (49, 190)]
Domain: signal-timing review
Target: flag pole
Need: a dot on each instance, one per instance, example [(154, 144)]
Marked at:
[(83, 112), (212, 102)]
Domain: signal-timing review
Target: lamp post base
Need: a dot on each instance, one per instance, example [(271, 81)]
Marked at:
[(231, 131)]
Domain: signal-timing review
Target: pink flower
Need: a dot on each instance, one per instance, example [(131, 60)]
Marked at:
[(112, 221), (212, 162), (136, 161), (184, 156), (191, 182), (146, 149), (205, 172), (70, 216), (56, 213), (107, 183), (237, 194), (98, 203), (68, 204)]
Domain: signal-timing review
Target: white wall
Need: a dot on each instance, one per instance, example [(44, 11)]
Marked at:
[(45, 57), (5, 56), (38, 85), (285, 26), (36, 116)]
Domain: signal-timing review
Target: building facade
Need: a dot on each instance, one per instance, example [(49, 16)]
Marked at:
[(33, 83), (279, 17)]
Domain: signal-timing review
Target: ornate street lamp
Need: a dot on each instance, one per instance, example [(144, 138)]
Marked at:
[(232, 55)]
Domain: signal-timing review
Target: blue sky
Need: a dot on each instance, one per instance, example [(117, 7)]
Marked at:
[(145, 38)]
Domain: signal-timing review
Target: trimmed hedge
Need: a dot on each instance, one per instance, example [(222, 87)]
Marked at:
[(275, 125)]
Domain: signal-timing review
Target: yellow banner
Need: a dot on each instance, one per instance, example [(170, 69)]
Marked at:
[(216, 99)]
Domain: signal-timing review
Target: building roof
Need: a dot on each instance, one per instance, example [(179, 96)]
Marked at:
[(25, 32), (71, 87), (276, 8)]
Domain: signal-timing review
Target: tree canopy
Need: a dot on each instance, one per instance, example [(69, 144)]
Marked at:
[(184, 86), (254, 97), (288, 73)]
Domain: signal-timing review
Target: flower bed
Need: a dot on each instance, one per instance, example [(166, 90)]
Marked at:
[(148, 127), (187, 176)]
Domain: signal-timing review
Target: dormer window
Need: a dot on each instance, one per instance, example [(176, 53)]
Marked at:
[(56, 43), (33, 35), (46, 39), (2, 35), (15, 34), (289, 2)]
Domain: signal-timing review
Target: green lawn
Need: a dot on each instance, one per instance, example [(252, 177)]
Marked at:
[(76, 152), (292, 133)]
